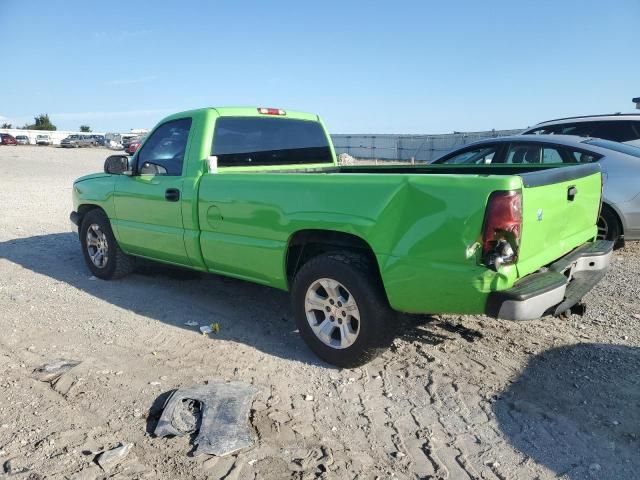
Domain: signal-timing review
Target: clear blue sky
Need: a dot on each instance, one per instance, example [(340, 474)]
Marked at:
[(366, 67)]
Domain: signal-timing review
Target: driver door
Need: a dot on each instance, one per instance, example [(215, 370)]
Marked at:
[(148, 204)]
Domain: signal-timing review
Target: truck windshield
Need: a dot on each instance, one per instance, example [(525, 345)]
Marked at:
[(249, 141)]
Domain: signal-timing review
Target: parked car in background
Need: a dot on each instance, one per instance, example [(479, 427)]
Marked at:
[(43, 139), (99, 140), (6, 139), (22, 140), (619, 127), (76, 141), (620, 215), (126, 141), (134, 145)]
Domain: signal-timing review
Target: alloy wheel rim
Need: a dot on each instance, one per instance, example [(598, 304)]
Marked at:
[(603, 228), (332, 313), (97, 246)]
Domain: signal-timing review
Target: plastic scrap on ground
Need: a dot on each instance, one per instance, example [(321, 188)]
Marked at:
[(51, 371), (213, 328), (219, 412), (110, 458)]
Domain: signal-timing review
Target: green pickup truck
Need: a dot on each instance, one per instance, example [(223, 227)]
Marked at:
[(257, 194)]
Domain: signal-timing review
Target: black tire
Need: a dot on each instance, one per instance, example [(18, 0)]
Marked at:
[(117, 264), (360, 278), (609, 227)]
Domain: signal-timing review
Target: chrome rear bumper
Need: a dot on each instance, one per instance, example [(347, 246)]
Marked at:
[(556, 288)]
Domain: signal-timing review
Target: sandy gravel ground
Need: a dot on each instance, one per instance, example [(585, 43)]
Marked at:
[(455, 398)]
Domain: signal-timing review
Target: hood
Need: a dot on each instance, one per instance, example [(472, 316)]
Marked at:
[(91, 176)]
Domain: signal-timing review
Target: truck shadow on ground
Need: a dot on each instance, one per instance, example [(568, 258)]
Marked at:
[(252, 314), (431, 330), (576, 410)]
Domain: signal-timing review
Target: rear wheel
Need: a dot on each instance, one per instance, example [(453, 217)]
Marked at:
[(341, 309), (609, 227)]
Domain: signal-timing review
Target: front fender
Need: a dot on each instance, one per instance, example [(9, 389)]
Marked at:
[(94, 190)]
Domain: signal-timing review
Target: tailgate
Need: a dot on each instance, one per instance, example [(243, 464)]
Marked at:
[(559, 213)]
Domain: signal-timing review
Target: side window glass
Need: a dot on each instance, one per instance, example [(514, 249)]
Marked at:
[(523, 153), (549, 130), (551, 155), (618, 131), (477, 156), (583, 157), (163, 152)]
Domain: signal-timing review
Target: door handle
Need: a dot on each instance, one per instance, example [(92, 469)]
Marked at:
[(571, 193), (172, 194)]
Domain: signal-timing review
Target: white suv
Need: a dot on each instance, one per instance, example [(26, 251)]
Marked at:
[(43, 139), (619, 127)]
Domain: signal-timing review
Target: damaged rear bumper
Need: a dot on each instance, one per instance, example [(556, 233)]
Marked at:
[(557, 288)]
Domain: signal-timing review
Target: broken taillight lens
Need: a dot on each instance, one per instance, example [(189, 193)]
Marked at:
[(502, 228)]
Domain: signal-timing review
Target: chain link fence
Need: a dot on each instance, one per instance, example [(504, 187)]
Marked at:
[(408, 148)]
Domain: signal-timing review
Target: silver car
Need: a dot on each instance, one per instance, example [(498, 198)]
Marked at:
[(76, 141), (620, 216)]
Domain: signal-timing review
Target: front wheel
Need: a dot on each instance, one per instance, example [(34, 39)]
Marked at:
[(101, 251), (341, 309)]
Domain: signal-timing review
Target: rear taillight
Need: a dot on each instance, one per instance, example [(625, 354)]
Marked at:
[(502, 228), (271, 111)]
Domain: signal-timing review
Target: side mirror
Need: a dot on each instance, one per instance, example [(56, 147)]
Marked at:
[(117, 165)]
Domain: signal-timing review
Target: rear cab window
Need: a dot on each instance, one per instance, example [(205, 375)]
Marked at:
[(265, 141)]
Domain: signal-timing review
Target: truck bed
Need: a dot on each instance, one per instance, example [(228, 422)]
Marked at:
[(532, 175)]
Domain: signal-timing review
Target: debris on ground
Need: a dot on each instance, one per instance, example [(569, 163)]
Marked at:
[(191, 323), (219, 412), (346, 159), (110, 458), (10, 469), (50, 372), (213, 328)]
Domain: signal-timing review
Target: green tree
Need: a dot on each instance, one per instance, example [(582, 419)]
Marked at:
[(42, 122), (6, 125), (85, 128)]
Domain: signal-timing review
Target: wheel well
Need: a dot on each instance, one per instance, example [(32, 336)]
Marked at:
[(615, 214), (84, 209), (307, 244)]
